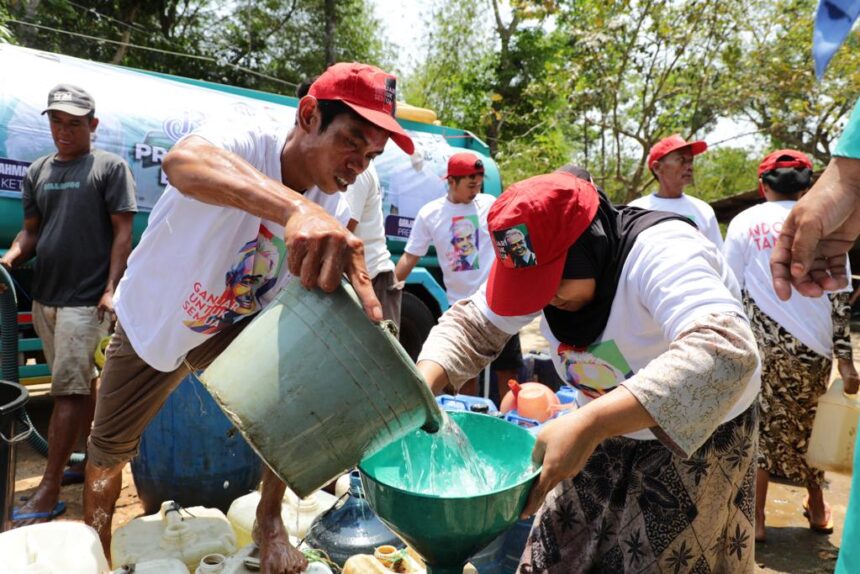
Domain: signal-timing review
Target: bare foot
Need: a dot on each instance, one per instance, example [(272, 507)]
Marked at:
[(277, 555)]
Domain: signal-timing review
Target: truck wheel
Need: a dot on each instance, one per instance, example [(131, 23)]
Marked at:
[(416, 320)]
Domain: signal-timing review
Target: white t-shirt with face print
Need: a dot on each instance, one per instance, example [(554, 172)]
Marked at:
[(463, 245), (200, 267), (671, 277)]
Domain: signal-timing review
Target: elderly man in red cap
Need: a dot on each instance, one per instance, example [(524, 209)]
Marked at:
[(241, 197), (456, 225), (671, 162), (798, 339)]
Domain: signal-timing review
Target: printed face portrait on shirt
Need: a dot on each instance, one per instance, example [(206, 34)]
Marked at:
[(595, 370), (513, 247), (464, 243)]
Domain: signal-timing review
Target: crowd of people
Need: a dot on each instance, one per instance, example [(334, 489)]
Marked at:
[(718, 350)]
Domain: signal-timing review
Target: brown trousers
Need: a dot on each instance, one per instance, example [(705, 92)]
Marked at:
[(131, 394)]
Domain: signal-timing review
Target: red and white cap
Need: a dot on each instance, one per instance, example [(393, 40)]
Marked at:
[(782, 158), (463, 164), (673, 143), (533, 224), (369, 91)]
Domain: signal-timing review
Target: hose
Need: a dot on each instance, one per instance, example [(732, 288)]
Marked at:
[(9, 358)]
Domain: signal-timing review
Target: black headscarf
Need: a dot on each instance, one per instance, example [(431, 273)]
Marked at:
[(600, 253)]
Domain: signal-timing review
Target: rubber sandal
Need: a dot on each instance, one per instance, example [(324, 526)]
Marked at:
[(826, 528), (51, 514)]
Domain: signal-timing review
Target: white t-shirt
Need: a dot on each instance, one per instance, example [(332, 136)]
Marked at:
[(463, 244), (201, 267), (670, 278), (690, 207), (750, 239), (365, 204)]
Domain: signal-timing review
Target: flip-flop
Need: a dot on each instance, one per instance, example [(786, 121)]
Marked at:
[(826, 528), (51, 514), (72, 477)]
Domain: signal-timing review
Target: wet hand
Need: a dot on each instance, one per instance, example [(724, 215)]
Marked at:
[(105, 308), (564, 445), (320, 250)]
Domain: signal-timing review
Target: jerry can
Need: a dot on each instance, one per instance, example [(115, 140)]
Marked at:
[(187, 534), (831, 446)]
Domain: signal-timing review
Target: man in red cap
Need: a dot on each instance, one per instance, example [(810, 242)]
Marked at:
[(671, 162), (457, 226), (797, 338), (241, 197)]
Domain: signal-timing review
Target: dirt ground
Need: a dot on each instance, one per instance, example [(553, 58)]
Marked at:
[(791, 547)]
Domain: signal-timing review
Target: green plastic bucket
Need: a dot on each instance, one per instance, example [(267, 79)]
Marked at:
[(314, 386), (447, 530)]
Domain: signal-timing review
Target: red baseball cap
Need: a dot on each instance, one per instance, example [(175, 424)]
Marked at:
[(463, 164), (782, 158), (533, 224), (673, 143), (369, 91)]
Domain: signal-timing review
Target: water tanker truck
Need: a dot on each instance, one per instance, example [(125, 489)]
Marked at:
[(142, 114)]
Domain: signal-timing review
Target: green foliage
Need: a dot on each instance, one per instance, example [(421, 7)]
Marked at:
[(724, 171), (269, 44), (5, 33), (775, 83), (598, 82)]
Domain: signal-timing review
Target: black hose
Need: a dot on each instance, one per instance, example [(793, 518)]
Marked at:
[(9, 359)]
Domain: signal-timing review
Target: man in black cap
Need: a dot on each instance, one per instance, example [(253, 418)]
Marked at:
[(78, 208)]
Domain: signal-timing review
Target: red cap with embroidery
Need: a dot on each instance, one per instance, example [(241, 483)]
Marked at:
[(369, 91), (673, 143), (782, 158), (533, 223), (463, 164)]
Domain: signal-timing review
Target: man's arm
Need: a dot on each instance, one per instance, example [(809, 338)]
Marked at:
[(119, 252), (319, 248), (405, 265), (24, 245)]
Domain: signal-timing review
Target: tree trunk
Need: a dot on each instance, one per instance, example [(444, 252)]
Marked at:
[(330, 25), (122, 49)]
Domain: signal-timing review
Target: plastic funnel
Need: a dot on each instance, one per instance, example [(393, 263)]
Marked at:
[(447, 530)]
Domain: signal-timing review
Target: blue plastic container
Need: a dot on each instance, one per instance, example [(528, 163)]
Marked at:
[(515, 543), (566, 394), (192, 454), (491, 559), (465, 403)]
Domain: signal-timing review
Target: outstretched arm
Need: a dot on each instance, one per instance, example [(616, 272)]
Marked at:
[(319, 248)]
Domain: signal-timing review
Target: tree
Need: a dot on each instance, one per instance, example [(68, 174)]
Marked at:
[(267, 44), (775, 84), (5, 33)]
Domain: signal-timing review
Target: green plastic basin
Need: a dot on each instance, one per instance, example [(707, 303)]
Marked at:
[(447, 530)]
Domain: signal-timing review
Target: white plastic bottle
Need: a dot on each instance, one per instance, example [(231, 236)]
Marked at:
[(297, 514), (160, 566), (831, 446), (187, 534), (52, 548), (235, 564)]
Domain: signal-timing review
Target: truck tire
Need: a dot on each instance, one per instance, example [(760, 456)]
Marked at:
[(416, 320)]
